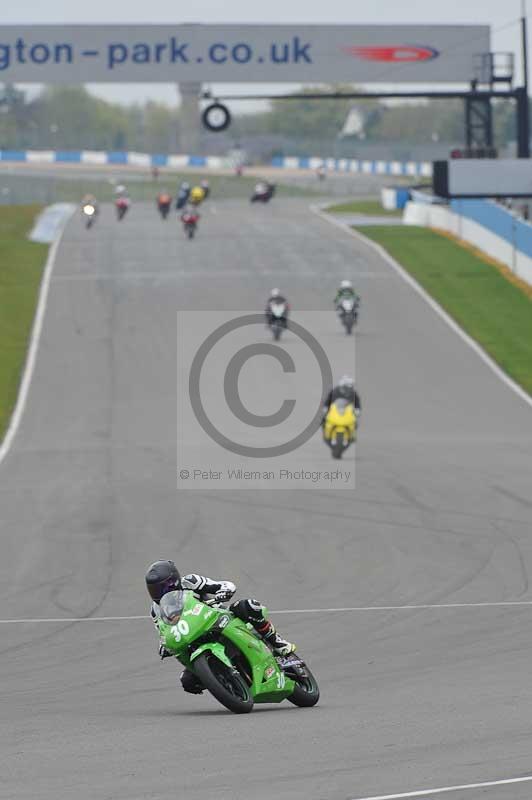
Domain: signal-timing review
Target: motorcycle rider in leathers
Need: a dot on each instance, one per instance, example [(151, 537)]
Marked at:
[(345, 291), (345, 389), (163, 577), (276, 298)]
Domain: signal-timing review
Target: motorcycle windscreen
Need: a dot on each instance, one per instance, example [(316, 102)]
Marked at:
[(341, 405), (171, 605)]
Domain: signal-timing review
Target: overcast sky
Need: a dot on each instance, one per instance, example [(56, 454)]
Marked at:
[(502, 16)]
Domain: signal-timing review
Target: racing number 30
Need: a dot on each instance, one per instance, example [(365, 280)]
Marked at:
[(181, 629)]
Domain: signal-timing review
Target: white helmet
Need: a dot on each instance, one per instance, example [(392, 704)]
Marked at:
[(346, 382), (275, 293), (346, 285)]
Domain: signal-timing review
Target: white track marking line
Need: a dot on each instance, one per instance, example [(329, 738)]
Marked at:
[(441, 790), (421, 607), (31, 356), (429, 300)]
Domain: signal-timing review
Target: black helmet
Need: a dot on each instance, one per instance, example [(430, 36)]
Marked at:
[(162, 577)]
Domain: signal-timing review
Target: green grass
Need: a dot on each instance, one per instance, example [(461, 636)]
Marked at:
[(372, 207), (21, 267), (489, 307)]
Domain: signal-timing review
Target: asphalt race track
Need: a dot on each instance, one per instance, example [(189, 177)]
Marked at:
[(442, 514)]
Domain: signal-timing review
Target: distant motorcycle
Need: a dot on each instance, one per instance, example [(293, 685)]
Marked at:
[(190, 223), (182, 198), (164, 201), (89, 214), (263, 193), (340, 427), (122, 205), (278, 321), (348, 312)]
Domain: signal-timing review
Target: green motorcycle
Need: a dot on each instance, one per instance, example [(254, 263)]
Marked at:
[(229, 658)]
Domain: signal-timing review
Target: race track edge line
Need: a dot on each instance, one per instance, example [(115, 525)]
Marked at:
[(419, 607), (31, 357), (442, 789)]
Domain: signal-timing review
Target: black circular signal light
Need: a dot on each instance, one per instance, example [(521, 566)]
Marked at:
[(216, 117)]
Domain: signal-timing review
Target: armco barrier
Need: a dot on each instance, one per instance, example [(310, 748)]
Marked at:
[(118, 158), (484, 224), (393, 197), (99, 158), (406, 168)]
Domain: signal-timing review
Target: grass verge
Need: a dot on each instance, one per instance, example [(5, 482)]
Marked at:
[(490, 308), (371, 207), (21, 267)]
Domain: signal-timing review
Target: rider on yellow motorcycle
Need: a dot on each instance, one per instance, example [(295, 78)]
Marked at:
[(340, 416), (196, 196), (346, 390)]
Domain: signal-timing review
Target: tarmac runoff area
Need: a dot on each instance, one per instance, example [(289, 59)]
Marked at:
[(408, 595)]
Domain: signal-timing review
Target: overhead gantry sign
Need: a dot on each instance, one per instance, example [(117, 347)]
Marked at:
[(69, 54)]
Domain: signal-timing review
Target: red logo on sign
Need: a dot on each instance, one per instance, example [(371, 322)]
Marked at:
[(398, 53)]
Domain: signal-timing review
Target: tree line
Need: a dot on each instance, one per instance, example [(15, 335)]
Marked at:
[(70, 118)]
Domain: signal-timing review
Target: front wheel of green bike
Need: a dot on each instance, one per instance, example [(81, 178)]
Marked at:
[(306, 692), (224, 683)]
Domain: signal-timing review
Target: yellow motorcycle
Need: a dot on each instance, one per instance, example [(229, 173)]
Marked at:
[(196, 196), (340, 426)]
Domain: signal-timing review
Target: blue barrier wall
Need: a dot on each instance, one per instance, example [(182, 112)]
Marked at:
[(12, 155), (392, 168), (407, 168), (497, 220), (80, 157)]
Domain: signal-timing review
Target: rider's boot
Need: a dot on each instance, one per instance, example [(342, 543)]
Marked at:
[(280, 646), (190, 683)]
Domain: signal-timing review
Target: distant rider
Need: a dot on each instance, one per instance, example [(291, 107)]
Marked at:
[(190, 214), (276, 298), (197, 195), (89, 200), (163, 577), (206, 188), (345, 292), (264, 189), (164, 199), (122, 197), (182, 195), (344, 389)]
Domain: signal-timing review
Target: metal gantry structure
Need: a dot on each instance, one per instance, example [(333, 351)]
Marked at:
[(493, 70)]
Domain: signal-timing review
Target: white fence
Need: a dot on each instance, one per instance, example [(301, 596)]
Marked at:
[(484, 224)]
